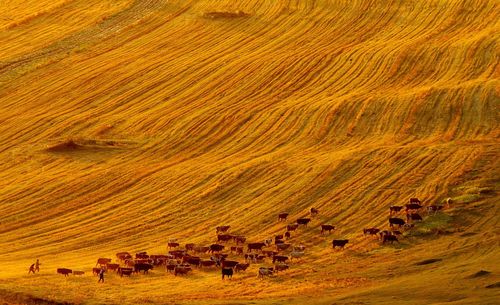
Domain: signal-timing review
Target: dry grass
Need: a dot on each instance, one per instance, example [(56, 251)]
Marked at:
[(180, 123)]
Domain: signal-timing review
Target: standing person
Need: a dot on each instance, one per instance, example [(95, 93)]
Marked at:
[(37, 265), (32, 269), (101, 275)]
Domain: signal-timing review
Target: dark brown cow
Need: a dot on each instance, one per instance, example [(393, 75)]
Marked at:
[(64, 271), (181, 270), (303, 221), (314, 212), (396, 221), (327, 228), (172, 245), (292, 227), (395, 209), (413, 206), (190, 247), (282, 216), (142, 267), (391, 238), (277, 237), (414, 200), (228, 264), (287, 235), (141, 255), (227, 272), (339, 243), (255, 246), (280, 267), (207, 263), (192, 260), (177, 253), (371, 231), (282, 247), (224, 237), (103, 261), (125, 271), (220, 229), (237, 250), (112, 267), (280, 258), (123, 256), (384, 233), (216, 248), (241, 267), (279, 241), (239, 239), (171, 267), (413, 217), (96, 271)]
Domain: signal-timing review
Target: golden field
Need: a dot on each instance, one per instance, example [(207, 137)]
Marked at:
[(128, 123)]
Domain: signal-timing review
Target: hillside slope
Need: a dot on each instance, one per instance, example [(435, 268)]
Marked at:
[(127, 123)]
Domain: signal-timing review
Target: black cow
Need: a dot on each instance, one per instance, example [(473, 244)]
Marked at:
[(413, 206), (396, 221), (216, 248), (371, 231), (280, 258), (339, 243), (303, 221), (255, 246), (292, 227), (227, 272), (395, 209), (314, 212), (391, 238), (142, 267), (414, 200), (413, 216)]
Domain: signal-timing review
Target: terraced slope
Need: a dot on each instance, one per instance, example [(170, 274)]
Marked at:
[(127, 123)]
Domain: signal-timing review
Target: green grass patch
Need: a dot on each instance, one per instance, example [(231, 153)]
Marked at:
[(432, 225), (467, 198)]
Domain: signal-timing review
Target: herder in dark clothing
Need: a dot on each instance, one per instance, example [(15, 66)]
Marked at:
[(101, 275), (32, 269), (37, 265)]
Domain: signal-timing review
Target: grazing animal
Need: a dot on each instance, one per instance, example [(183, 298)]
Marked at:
[(413, 217), (339, 243), (434, 208), (280, 267), (241, 267), (224, 237), (123, 256), (280, 258), (207, 263), (287, 235), (395, 209), (181, 270), (263, 271), (371, 231), (216, 248), (414, 200), (103, 261), (227, 272), (296, 254), (64, 271), (391, 238), (282, 247), (448, 202), (239, 239), (192, 260), (278, 237), (201, 249), (303, 221), (171, 266), (396, 221), (96, 271), (279, 241), (222, 229), (171, 245), (268, 241), (177, 253), (255, 246), (125, 271), (327, 228), (142, 267), (412, 206), (384, 233), (229, 264), (190, 247), (292, 227), (78, 272), (314, 212), (282, 216), (112, 267)]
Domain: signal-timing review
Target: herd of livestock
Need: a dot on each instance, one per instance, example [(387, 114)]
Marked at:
[(232, 253)]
